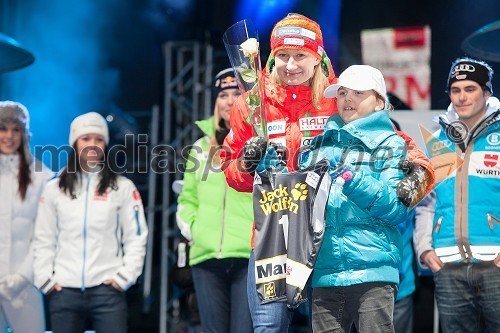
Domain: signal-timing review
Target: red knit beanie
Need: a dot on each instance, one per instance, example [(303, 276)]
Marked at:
[(297, 32)]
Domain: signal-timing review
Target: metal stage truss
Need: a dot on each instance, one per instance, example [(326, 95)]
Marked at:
[(187, 97)]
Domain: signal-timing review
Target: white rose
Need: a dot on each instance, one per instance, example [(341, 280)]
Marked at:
[(250, 47)]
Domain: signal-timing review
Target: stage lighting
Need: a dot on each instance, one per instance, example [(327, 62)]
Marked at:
[(13, 55), (484, 42)]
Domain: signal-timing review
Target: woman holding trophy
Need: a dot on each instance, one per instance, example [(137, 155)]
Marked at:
[(293, 111)]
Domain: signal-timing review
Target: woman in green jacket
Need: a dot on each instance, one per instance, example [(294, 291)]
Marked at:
[(217, 221)]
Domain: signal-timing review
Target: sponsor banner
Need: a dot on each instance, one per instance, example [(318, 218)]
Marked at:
[(280, 142), (485, 164), (312, 179), (284, 31), (276, 127), (105, 195), (293, 41), (297, 273), (270, 269), (493, 141), (403, 56), (313, 123)]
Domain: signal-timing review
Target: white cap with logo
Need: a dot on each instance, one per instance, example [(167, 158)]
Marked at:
[(360, 78), (88, 123)]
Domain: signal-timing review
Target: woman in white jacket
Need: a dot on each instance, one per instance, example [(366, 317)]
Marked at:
[(21, 183), (90, 236)]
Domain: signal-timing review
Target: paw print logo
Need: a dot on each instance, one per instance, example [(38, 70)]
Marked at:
[(299, 192)]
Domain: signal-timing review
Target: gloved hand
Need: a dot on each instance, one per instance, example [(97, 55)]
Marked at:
[(412, 188), (305, 157), (12, 285), (253, 152), (270, 161)]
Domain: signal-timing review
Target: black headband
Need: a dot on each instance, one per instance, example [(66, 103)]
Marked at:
[(225, 79)]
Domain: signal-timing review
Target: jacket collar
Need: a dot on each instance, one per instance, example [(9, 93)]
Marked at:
[(452, 129), (207, 126), (291, 101), (9, 163), (371, 130)]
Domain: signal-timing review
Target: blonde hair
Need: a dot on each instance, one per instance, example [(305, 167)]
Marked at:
[(217, 117), (318, 83), (213, 153)]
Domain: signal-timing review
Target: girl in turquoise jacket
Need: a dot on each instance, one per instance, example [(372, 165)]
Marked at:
[(217, 221), (357, 271)]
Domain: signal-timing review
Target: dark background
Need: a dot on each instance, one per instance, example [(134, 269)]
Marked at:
[(98, 53)]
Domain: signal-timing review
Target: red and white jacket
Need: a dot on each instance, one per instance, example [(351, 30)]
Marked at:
[(291, 120)]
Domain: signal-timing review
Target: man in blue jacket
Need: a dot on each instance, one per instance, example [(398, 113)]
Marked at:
[(458, 226)]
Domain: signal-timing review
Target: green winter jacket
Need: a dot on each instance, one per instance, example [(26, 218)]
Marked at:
[(216, 219)]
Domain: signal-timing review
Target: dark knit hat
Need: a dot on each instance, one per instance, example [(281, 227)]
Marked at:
[(471, 69), (225, 79)]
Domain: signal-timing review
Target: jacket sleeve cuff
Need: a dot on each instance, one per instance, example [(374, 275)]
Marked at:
[(46, 286), (420, 261), (123, 281)]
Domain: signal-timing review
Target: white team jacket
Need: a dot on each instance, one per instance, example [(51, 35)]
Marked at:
[(17, 217), (81, 242)]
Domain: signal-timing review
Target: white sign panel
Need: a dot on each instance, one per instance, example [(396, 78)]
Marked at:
[(403, 56)]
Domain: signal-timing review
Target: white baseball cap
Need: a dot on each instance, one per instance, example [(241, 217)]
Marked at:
[(360, 78), (91, 122)]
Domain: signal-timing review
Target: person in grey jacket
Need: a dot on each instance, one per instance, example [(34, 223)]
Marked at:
[(22, 179)]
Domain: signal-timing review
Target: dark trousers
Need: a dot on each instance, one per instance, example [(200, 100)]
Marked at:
[(221, 293), (468, 297), (104, 307), (403, 315), (368, 305)]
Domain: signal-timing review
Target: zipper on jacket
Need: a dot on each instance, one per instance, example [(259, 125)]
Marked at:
[(223, 222), (462, 183), (492, 219), (117, 235), (438, 225), (341, 237), (136, 214), (307, 133), (85, 233)]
